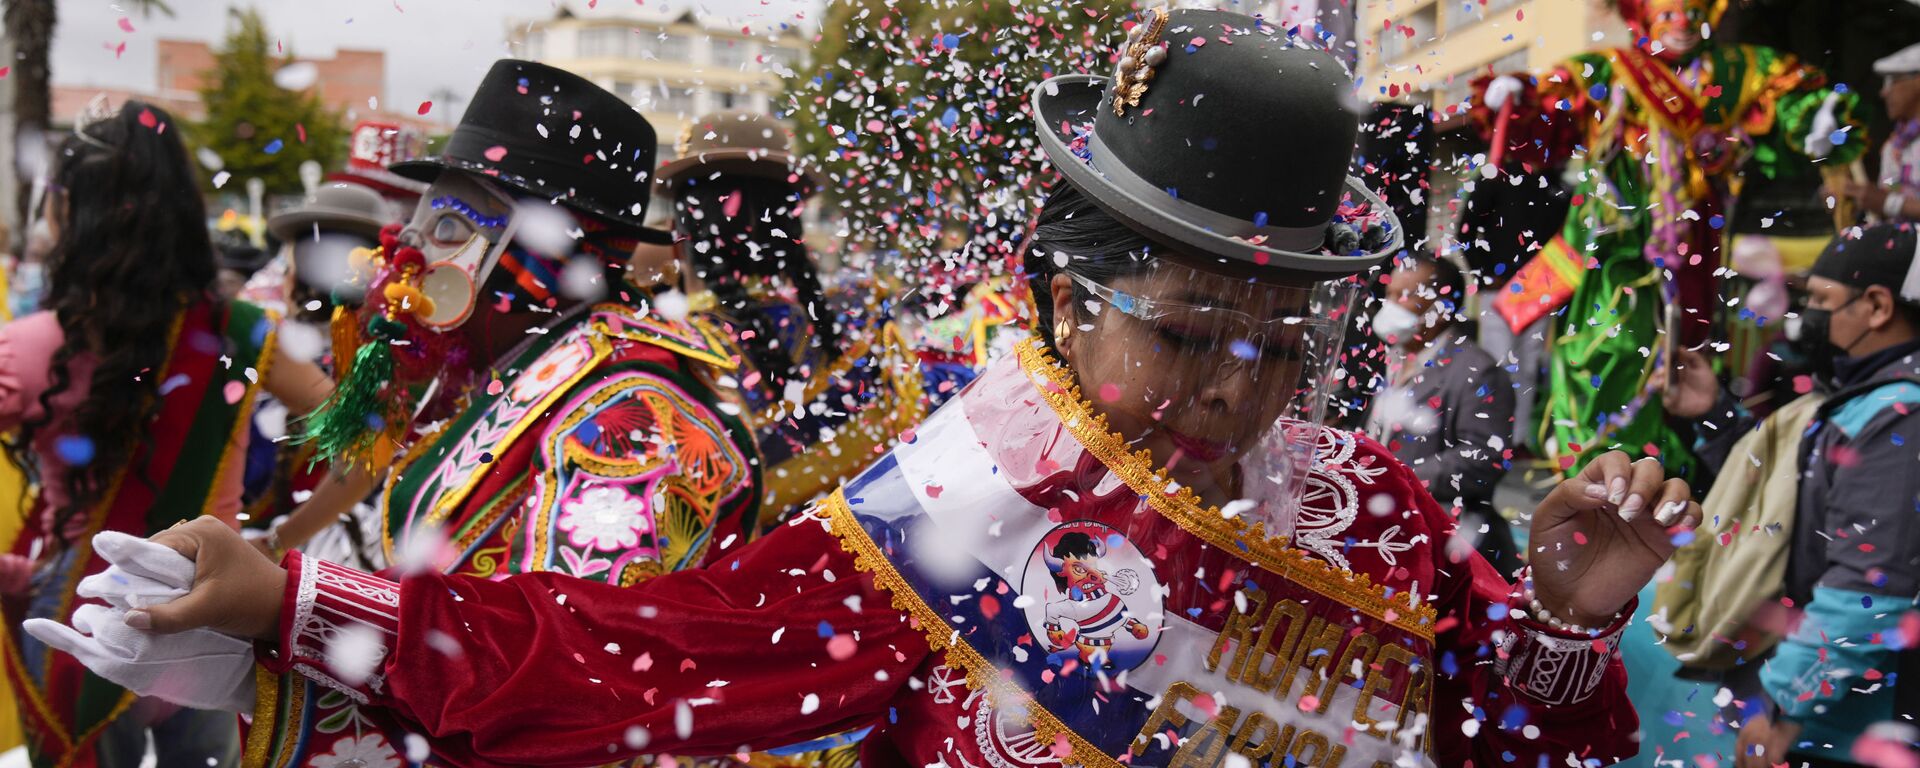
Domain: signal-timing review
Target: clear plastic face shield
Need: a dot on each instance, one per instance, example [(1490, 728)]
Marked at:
[(1222, 377), (462, 225)]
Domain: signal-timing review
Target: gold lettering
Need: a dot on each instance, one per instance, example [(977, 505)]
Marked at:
[(1325, 754), (1419, 685), (1377, 682), (1258, 725), (1167, 715), (1252, 673), (1239, 631), (1322, 637), (1380, 681), (1345, 667), (1207, 746)]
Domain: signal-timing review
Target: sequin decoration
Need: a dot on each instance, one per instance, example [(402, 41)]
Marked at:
[(473, 214)]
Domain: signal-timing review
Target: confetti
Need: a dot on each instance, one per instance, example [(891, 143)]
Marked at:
[(841, 647)]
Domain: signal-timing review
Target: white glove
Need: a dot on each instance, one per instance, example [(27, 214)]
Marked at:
[(1820, 138), (143, 573), (198, 668), (1502, 89)]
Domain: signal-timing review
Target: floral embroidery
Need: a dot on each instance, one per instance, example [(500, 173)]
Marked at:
[(365, 751), (607, 518), (550, 370)]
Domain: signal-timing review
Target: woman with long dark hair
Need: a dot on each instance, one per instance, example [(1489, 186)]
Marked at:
[(128, 397)]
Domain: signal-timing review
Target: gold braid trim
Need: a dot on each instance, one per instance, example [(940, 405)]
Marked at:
[(83, 556), (981, 674), (1233, 536)]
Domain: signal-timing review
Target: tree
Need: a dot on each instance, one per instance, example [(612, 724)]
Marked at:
[(918, 111), (259, 129), (29, 26)]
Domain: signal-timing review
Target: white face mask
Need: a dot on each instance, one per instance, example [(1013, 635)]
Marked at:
[(1394, 323)]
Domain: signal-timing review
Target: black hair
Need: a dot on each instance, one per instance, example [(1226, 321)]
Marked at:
[(1449, 283), (132, 255), (737, 228), (1074, 235), (1074, 543)]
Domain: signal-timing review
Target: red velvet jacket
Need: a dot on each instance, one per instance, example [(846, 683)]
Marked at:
[(783, 640)]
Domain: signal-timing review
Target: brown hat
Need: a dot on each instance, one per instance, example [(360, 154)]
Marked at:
[(739, 143), (335, 206)]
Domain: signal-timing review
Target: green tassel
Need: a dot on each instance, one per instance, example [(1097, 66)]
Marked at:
[(346, 425)]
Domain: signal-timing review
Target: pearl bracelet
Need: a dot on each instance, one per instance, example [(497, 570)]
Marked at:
[(1540, 613)]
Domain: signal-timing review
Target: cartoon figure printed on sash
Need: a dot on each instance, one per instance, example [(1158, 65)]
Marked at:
[(1662, 132), (1087, 615)]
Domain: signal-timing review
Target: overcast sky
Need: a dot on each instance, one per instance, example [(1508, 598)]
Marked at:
[(430, 44)]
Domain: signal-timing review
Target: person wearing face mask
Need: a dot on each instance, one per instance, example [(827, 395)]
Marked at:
[(1661, 129), (1446, 406), (1129, 542), (530, 409), (1851, 559)]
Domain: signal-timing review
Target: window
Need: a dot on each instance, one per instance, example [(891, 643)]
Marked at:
[(671, 47), (778, 59), (678, 100), (729, 100), (665, 99), (731, 54), (598, 42), (1409, 33)]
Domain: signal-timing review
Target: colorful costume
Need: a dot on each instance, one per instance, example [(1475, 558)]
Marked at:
[(1016, 585), (601, 448), (187, 467), (609, 458), (1660, 140), (916, 601)]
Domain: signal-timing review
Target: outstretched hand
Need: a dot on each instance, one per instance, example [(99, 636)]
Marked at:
[(1598, 537)]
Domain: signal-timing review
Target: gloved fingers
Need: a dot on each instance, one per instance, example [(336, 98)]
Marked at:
[(107, 626), (90, 618), (122, 589), (142, 557), (72, 643)]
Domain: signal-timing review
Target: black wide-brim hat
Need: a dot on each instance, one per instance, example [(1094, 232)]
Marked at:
[(551, 133), (1231, 142)]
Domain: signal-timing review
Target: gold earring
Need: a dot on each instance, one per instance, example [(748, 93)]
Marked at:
[(1061, 330)]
